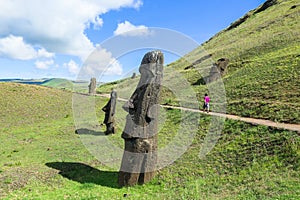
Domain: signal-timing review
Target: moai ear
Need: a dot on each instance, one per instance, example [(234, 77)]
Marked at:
[(127, 105), (152, 111)]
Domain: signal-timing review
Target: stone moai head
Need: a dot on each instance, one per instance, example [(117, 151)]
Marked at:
[(113, 93), (151, 68), (143, 105)]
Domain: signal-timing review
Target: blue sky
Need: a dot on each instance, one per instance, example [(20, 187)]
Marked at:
[(58, 38)]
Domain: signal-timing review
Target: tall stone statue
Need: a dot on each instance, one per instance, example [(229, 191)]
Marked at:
[(140, 132), (92, 86), (133, 75), (109, 109)]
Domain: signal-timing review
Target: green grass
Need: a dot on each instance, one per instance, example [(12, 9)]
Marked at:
[(263, 76), (68, 85), (262, 80), (59, 83), (23, 105), (45, 159)]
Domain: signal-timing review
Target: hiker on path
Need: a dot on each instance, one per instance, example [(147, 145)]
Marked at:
[(109, 110), (206, 103)]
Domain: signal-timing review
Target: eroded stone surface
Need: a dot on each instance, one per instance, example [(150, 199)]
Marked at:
[(218, 70), (140, 132), (110, 109), (92, 86)]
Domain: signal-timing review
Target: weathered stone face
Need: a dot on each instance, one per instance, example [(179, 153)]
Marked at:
[(140, 132), (109, 109), (92, 86), (222, 64), (218, 70)]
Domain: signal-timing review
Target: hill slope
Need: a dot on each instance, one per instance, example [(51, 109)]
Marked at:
[(29, 104), (42, 158), (59, 83), (262, 78), (263, 75)]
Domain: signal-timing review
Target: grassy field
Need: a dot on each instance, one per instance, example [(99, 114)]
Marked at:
[(22, 104), (43, 158)]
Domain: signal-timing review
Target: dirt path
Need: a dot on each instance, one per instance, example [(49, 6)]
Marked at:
[(291, 127)]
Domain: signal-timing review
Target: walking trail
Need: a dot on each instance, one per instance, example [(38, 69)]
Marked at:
[(291, 127)]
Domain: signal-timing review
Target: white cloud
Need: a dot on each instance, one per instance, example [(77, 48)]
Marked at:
[(115, 68), (16, 48), (73, 67), (98, 22), (128, 29), (137, 4), (43, 64), (43, 53), (57, 25), (100, 62)]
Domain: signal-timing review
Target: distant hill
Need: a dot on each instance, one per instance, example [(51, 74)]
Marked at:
[(25, 81), (70, 85), (262, 76), (59, 83)]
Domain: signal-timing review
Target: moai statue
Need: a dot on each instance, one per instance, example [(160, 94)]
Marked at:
[(133, 75), (92, 86), (218, 70), (140, 132), (109, 109)]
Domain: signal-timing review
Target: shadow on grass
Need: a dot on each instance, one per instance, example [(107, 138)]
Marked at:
[(83, 173), (85, 131)]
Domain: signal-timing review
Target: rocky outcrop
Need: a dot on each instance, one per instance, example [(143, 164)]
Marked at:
[(265, 6), (198, 61), (241, 20)]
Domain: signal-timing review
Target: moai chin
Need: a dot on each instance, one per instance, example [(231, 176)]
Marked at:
[(140, 132), (92, 86)]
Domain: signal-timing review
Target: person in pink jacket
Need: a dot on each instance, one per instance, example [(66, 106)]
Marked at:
[(206, 103)]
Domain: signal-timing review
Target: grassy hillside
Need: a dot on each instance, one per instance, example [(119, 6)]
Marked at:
[(25, 81), (27, 105), (263, 77), (59, 83), (43, 158)]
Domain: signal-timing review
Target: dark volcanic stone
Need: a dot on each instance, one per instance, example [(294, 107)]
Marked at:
[(140, 132)]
